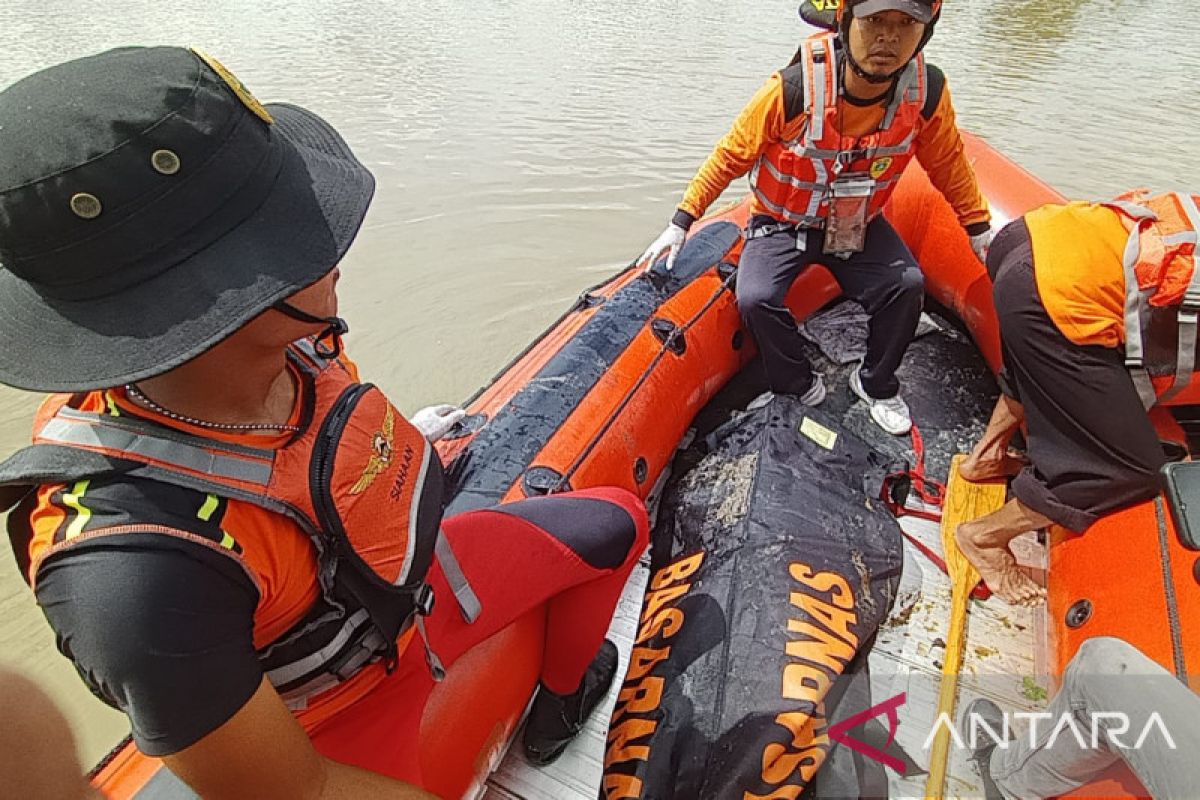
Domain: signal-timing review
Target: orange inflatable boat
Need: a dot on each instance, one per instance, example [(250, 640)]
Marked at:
[(604, 397)]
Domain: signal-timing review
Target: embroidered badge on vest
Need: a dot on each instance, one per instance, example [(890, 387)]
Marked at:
[(381, 457)]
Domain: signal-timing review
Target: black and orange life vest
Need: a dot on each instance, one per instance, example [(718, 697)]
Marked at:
[(791, 179), (358, 479), (1162, 288)]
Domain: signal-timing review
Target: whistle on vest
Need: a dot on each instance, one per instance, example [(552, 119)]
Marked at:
[(846, 222)]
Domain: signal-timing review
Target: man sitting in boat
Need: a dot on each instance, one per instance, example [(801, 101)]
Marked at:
[(1119, 706), (825, 141), (1082, 291), (237, 542)]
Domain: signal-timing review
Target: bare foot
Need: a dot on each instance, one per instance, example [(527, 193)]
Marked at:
[(975, 468), (998, 567)]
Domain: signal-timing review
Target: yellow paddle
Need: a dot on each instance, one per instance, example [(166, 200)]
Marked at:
[(964, 502)]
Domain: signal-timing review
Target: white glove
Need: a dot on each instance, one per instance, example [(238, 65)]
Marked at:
[(980, 243), (670, 239), (436, 421)]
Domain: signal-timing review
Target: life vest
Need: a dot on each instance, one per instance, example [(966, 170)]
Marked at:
[(1162, 288), (358, 479), (791, 179)]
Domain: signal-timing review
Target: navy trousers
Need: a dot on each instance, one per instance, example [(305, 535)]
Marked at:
[(884, 278)]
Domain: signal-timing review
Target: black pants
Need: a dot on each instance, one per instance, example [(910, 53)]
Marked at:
[(884, 278), (1091, 446)]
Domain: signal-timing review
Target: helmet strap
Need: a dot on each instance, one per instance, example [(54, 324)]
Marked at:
[(335, 329)]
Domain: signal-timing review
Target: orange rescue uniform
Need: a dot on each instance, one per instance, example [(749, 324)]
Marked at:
[(763, 122), (1077, 251)]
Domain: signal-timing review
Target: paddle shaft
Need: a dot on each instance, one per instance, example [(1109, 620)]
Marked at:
[(965, 501)]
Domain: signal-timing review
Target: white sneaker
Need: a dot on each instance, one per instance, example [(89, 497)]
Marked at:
[(892, 414), (816, 392)]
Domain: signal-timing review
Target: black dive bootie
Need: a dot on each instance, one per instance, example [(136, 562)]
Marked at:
[(556, 719)]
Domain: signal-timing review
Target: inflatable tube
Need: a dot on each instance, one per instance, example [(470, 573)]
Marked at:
[(604, 397)]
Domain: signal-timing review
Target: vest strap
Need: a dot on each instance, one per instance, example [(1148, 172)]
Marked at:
[(436, 668), (823, 78), (1136, 310), (1185, 352), (468, 601)]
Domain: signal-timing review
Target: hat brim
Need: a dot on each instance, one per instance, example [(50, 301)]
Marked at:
[(298, 234), (918, 11)]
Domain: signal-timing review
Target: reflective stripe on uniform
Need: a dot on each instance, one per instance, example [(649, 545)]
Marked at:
[(820, 83), (97, 431), (1136, 302), (1186, 317)]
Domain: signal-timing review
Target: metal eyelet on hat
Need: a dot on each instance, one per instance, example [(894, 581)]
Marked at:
[(165, 161), (86, 205)]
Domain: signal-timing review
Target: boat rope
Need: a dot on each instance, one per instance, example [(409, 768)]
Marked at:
[(109, 757), (1169, 592), (668, 345)]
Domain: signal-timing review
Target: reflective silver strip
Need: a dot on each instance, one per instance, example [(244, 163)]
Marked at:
[(95, 433), (1193, 215), (414, 512), (898, 149), (1185, 354), (431, 658), (903, 86), (821, 173), (1144, 386), (468, 602), (783, 213), (789, 179), (822, 80), (1185, 348), (283, 675), (1136, 302), (1134, 210), (298, 699), (368, 649), (804, 150)]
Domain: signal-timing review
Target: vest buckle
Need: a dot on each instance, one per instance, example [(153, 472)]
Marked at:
[(423, 600), (391, 658)]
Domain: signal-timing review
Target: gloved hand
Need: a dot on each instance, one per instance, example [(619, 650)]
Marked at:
[(670, 239), (436, 421), (980, 243)]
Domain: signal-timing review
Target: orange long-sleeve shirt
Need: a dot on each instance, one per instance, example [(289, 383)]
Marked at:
[(763, 122)]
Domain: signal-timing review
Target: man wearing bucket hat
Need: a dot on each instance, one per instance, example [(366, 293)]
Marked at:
[(825, 142), (221, 523)]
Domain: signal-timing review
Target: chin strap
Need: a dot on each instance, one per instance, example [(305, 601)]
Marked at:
[(866, 76), (335, 329)]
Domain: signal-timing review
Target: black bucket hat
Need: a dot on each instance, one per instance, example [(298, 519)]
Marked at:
[(149, 207)]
